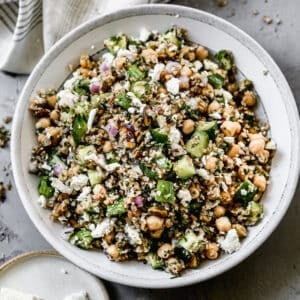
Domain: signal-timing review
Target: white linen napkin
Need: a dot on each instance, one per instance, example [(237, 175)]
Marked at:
[(28, 28)]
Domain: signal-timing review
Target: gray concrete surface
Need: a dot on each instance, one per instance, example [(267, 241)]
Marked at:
[(273, 272)]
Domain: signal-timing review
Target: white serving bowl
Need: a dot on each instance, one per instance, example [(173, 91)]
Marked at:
[(277, 106)]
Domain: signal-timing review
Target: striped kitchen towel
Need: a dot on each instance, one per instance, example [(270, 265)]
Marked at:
[(28, 28)]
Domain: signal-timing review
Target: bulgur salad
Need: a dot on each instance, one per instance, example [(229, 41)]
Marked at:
[(153, 152)]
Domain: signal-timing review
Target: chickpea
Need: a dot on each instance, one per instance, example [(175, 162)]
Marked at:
[(188, 126), (170, 52), (162, 90), (234, 151), (249, 99), (109, 237), (223, 224), (52, 100), (214, 193), (213, 107), (230, 128), (107, 147), (155, 223), (260, 181), (157, 233), (202, 105), (188, 53), (211, 163), (226, 198), (42, 123), (244, 172), (211, 251), (113, 252), (228, 112), (219, 211), (54, 133), (158, 211), (120, 62), (99, 192), (186, 71), (85, 61), (208, 91), (168, 223), (240, 230), (201, 53), (54, 115), (84, 72), (257, 146), (232, 87), (165, 250), (263, 157), (149, 55), (256, 136), (194, 191), (129, 145), (174, 266), (184, 83), (194, 261)]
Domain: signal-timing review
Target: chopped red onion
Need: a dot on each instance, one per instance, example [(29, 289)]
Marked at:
[(95, 88), (104, 67), (57, 170), (112, 130), (138, 201), (172, 66), (130, 128)]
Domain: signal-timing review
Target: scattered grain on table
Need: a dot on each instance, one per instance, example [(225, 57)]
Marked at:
[(222, 3), (2, 192), (268, 20), (7, 119), (4, 136)]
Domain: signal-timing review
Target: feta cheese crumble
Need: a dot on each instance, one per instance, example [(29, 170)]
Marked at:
[(59, 186), (185, 196), (133, 235), (78, 182), (231, 242), (155, 73), (172, 86), (210, 65), (66, 98), (42, 201), (91, 118), (144, 34), (102, 228)]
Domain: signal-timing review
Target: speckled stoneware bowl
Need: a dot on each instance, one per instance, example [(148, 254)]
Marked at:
[(277, 105)]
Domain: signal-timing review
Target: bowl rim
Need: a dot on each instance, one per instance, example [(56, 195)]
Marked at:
[(174, 10)]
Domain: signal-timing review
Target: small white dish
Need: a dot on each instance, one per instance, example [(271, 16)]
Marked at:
[(277, 106), (49, 276)]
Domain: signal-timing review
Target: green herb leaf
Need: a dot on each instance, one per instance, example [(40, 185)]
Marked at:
[(148, 172), (45, 188), (79, 128), (165, 192), (82, 87), (116, 209), (123, 101), (135, 73), (82, 239), (216, 80), (224, 59), (159, 137)]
